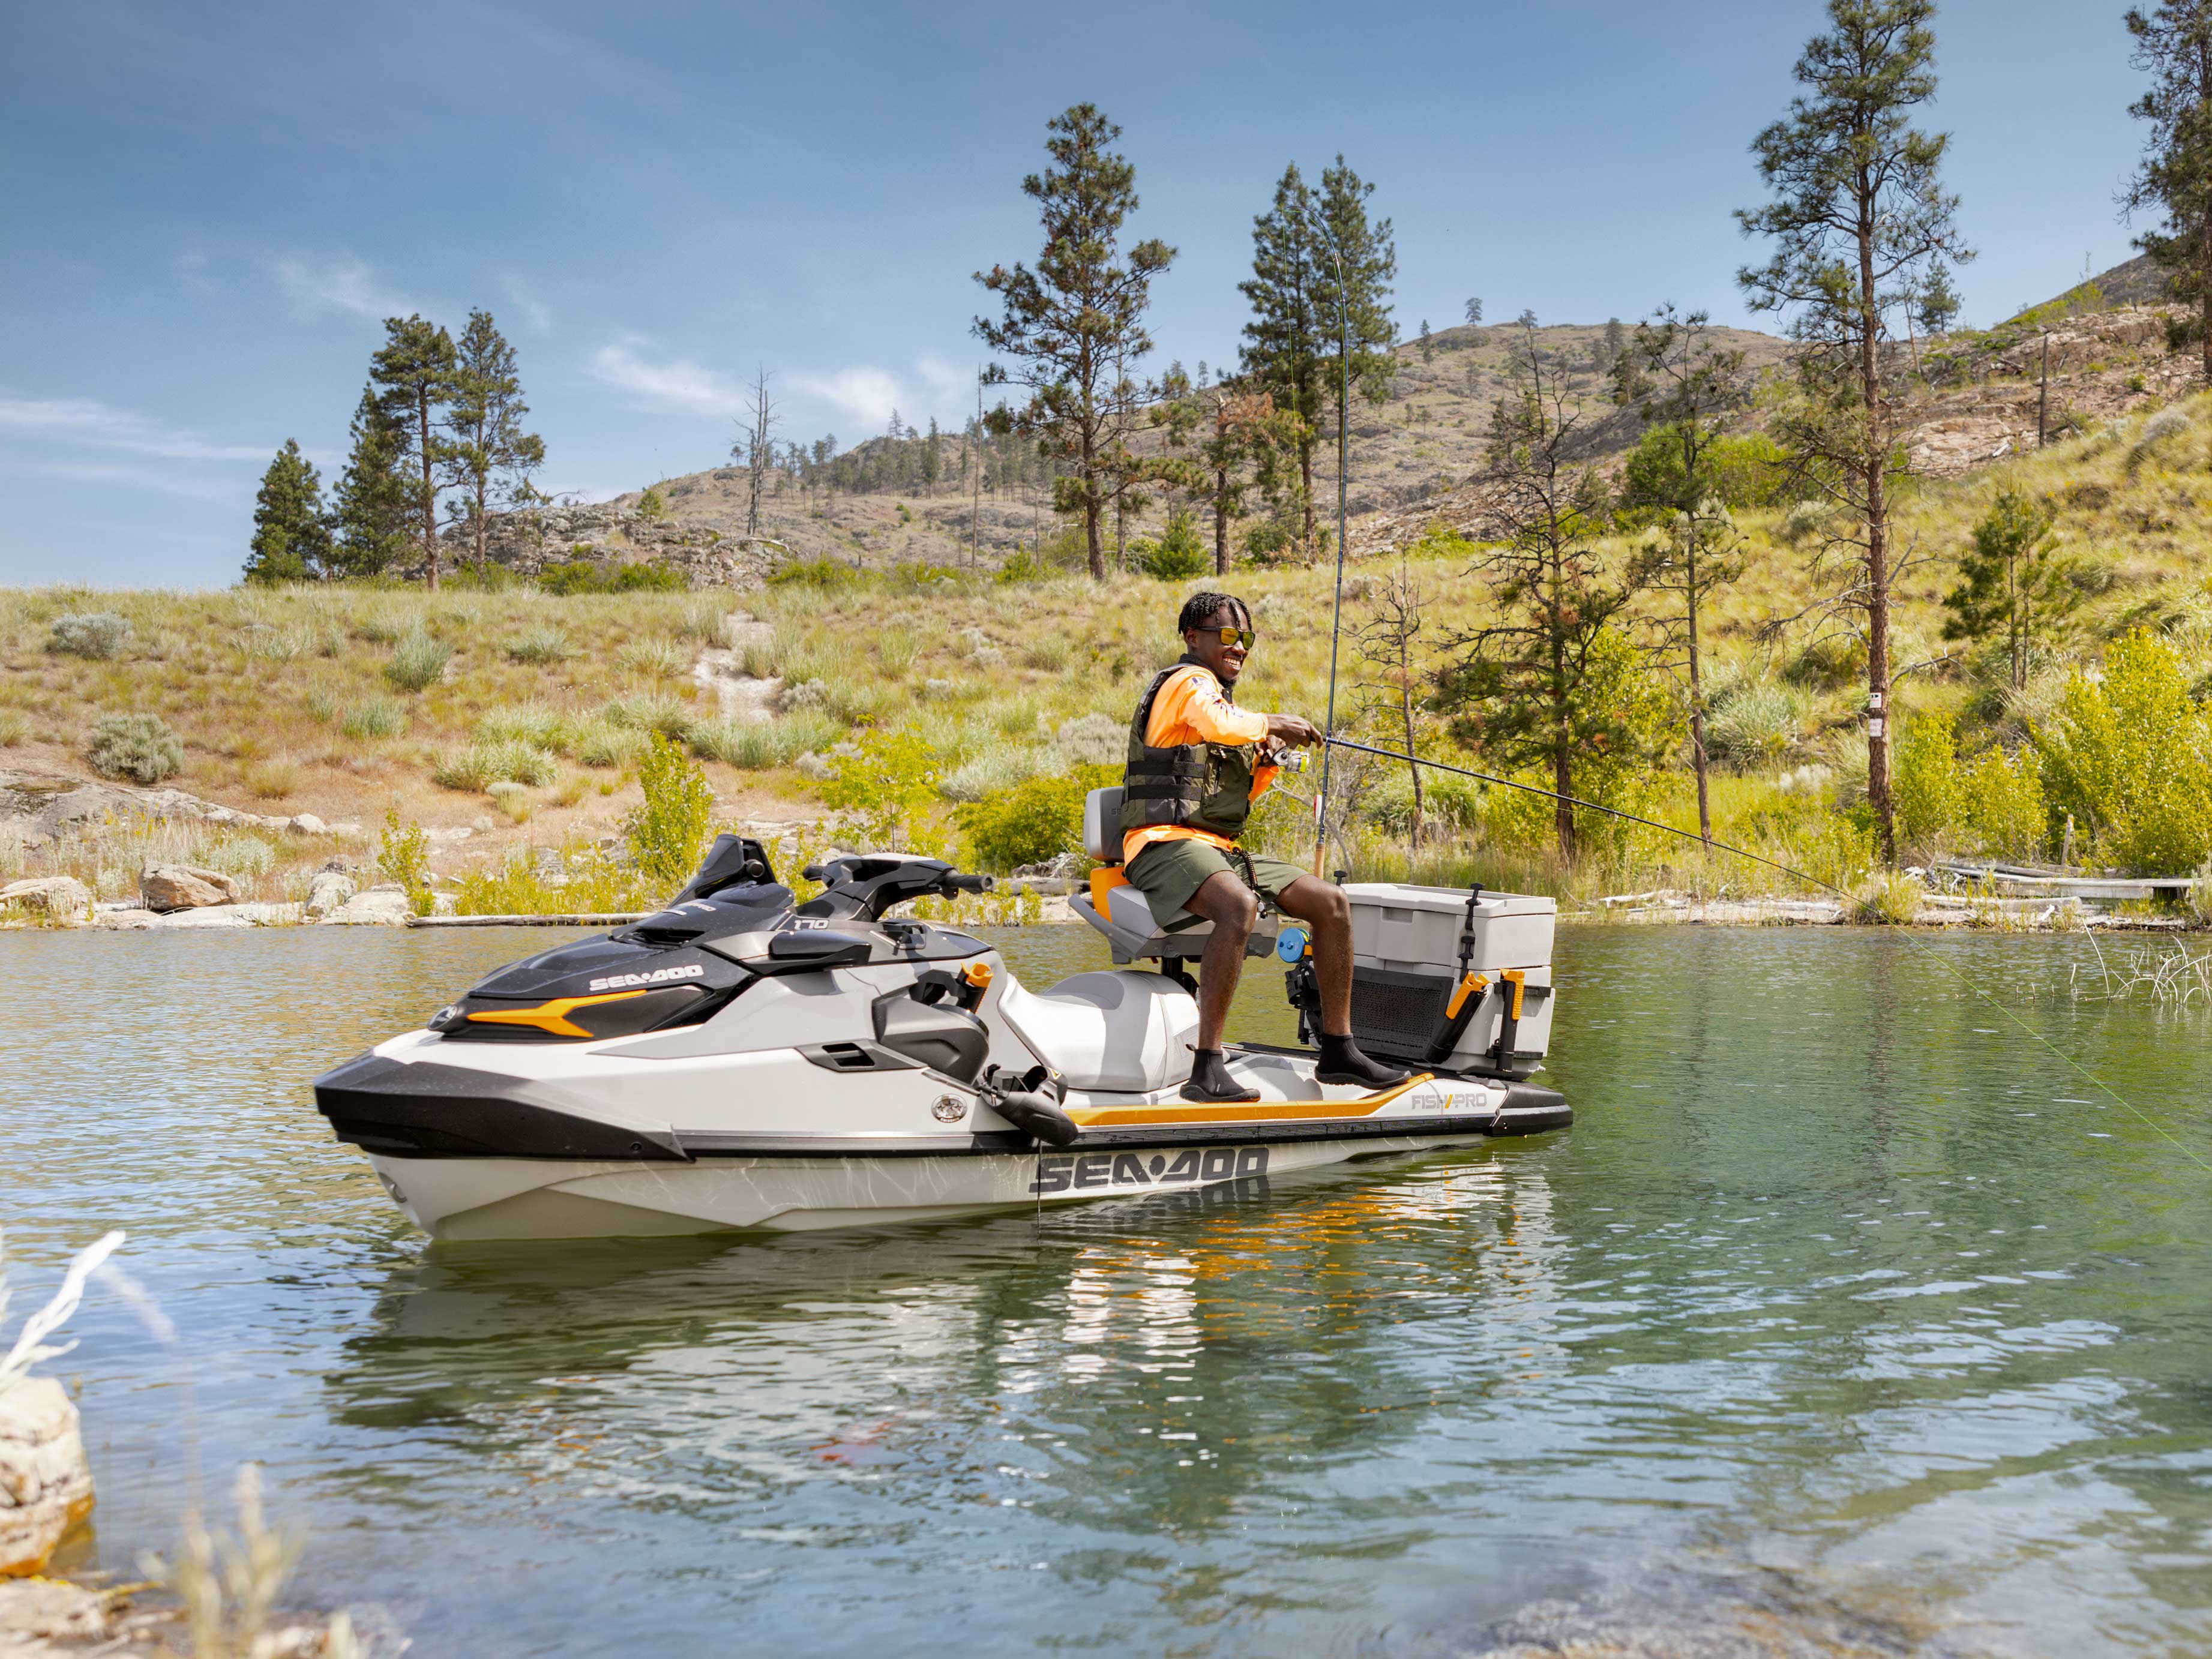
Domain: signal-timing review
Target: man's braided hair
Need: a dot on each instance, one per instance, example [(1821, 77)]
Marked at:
[(1201, 608)]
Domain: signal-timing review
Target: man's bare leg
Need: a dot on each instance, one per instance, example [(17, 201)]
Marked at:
[(1322, 907), (1229, 906)]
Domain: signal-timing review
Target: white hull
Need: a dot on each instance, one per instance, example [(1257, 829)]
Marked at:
[(536, 1199)]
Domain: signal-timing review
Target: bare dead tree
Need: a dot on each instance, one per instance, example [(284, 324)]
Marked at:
[(756, 450)]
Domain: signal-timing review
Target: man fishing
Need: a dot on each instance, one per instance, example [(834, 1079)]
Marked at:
[(1197, 762)]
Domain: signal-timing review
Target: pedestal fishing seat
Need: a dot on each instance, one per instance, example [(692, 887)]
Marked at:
[(1120, 912)]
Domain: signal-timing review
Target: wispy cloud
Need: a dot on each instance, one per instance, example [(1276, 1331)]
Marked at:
[(162, 481), (535, 311), (343, 284), (947, 385), (865, 394), (88, 423), (677, 386)]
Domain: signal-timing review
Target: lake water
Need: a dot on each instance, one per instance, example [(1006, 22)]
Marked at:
[(1844, 1320)]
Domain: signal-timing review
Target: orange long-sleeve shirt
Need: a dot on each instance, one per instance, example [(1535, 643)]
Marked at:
[(1192, 708)]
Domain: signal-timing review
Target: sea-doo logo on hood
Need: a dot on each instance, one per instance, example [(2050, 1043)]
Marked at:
[(657, 976)]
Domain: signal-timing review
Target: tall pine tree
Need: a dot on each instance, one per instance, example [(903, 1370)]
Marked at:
[(1282, 349), (414, 375), (1370, 260), (1858, 211), (492, 456), (291, 537), (371, 510), (2173, 44), (1070, 322)]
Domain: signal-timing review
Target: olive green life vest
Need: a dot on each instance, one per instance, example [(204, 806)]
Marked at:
[(1198, 785)]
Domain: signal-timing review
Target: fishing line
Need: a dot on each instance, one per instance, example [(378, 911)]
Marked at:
[(1686, 835)]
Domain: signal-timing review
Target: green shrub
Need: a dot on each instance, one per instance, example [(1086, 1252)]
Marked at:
[(667, 831), (599, 742), (417, 660), (827, 574), (544, 643), (582, 879), (652, 711), (1926, 791), (2130, 756), (404, 857), (480, 765), (2005, 807), (375, 716), (100, 635), (883, 791), (653, 658), (1180, 553), (1032, 821), (140, 747), (1749, 471), (582, 575), (534, 723), (756, 745)]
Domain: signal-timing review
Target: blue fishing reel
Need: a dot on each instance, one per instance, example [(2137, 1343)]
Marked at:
[(1292, 945)]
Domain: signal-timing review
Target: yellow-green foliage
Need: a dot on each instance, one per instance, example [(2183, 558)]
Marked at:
[(1033, 821), (580, 879), (1991, 804), (667, 831), (2130, 756), (885, 790), (404, 858)]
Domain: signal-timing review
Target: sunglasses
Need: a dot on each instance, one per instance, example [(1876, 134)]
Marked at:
[(1247, 637)]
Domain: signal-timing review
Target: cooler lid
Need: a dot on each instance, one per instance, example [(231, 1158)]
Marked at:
[(1451, 901)]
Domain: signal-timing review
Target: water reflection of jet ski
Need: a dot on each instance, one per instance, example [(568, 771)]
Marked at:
[(738, 1060)]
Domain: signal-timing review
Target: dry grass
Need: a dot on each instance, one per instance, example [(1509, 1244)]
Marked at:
[(285, 695)]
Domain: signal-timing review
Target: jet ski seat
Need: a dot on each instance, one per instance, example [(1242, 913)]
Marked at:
[(1127, 921), (1126, 1032)]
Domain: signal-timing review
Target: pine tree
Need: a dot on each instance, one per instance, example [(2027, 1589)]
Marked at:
[(413, 376), (2174, 45), (1070, 321), (1514, 691), (1936, 303), (371, 496), (1282, 350), (1361, 307), (1859, 207), (2014, 584), (291, 537), (1473, 313), (1427, 349), (488, 447), (1694, 387)]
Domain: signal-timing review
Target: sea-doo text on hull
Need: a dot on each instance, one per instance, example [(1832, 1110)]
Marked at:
[(738, 1060)]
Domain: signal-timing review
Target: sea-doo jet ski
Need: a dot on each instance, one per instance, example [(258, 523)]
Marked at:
[(740, 1060)]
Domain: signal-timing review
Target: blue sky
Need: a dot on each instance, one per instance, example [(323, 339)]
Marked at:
[(211, 206)]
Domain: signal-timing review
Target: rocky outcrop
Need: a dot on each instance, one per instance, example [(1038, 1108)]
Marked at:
[(328, 893), (46, 1485), (167, 887), (379, 907), (41, 807), (528, 540), (63, 899)]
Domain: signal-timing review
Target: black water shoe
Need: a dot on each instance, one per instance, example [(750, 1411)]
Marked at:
[(1342, 1062), (1210, 1080)]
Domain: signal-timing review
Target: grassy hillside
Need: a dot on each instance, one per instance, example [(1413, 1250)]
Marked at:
[(520, 714)]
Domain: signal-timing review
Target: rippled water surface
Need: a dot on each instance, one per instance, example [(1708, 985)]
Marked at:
[(1845, 1320)]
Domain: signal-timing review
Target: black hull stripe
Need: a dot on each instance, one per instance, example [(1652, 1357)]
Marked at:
[(1002, 1143)]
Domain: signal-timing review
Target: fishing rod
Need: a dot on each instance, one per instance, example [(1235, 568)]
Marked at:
[(2088, 1075), (1336, 617)]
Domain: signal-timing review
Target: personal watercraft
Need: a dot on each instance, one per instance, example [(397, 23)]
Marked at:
[(742, 1060)]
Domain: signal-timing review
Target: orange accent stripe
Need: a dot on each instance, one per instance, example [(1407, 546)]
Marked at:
[(1254, 1112), (553, 1016)]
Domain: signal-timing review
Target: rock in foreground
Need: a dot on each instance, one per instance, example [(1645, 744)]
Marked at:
[(168, 887), (46, 1485)]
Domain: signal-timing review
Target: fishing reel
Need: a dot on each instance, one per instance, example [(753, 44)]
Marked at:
[(1294, 947)]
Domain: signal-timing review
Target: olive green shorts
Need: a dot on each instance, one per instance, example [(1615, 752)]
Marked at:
[(1168, 872)]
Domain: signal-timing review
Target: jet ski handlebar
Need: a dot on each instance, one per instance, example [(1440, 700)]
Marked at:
[(867, 885)]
